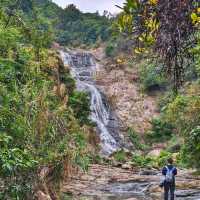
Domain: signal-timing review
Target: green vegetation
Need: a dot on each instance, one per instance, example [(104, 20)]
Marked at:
[(150, 25), (78, 28), (44, 121), (70, 26), (136, 140), (154, 33), (40, 128), (190, 151), (120, 156), (161, 131), (142, 160), (183, 112), (152, 77), (79, 102)]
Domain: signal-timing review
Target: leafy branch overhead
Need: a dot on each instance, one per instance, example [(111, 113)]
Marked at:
[(168, 27)]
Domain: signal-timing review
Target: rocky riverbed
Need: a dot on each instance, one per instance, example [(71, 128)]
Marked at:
[(113, 183)]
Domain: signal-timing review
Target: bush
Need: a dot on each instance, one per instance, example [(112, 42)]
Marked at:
[(190, 151), (167, 98), (160, 132), (120, 156), (135, 139), (80, 103), (9, 40), (183, 112), (151, 77), (142, 160), (110, 50), (163, 157)]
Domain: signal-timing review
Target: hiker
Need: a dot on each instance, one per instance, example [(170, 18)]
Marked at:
[(169, 171)]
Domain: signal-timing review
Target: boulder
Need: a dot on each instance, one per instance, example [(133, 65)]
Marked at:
[(41, 196), (155, 152), (126, 166)]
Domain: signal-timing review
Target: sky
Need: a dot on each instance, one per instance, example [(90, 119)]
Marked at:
[(93, 5)]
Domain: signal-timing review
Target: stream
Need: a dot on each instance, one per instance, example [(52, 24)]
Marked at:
[(107, 182)]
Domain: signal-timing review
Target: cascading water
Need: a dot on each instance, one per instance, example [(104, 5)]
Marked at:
[(83, 68)]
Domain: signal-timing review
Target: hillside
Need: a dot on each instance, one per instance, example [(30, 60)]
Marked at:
[(70, 25)]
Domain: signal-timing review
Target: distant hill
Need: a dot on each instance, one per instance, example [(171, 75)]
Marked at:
[(71, 26)]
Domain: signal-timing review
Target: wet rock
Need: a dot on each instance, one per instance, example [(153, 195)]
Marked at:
[(85, 73), (114, 183), (187, 193), (148, 172)]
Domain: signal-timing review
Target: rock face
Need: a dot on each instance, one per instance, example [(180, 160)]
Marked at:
[(112, 183), (121, 86)]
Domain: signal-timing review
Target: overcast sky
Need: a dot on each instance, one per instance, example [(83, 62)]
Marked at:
[(92, 5)]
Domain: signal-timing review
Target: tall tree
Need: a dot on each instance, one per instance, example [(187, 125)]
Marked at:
[(168, 26)]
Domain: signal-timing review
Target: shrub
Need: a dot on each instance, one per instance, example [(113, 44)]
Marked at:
[(160, 132), (135, 139), (36, 128), (164, 100), (142, 160), (151, 77), (110, 50), (79, 102), (9, 40), (183, 112), (163, 157), (120, 156), (190, 151)]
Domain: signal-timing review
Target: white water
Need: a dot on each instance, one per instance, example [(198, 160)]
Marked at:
[(83, 67)]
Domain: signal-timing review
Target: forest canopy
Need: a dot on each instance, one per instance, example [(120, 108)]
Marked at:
[(70, 25)]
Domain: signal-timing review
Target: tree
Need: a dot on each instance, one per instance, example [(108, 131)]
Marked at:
[(9, 38), (71, 13), (41, 32), (168, 26), (41, 35)]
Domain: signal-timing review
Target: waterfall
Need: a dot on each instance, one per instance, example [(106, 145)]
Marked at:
[(83, 68)]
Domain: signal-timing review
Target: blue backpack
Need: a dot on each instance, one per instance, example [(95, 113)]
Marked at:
[(169, 177)]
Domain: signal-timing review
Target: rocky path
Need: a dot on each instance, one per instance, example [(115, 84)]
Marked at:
[(112, 183)]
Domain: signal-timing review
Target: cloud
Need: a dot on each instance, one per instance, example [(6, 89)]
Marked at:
[(93, 5)]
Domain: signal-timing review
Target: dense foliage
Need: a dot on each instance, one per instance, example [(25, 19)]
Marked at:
[(40, 131), (167, 26), (79, 28), (70, 25)]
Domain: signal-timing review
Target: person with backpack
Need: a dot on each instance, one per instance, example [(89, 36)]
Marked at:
[(169, 171)]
